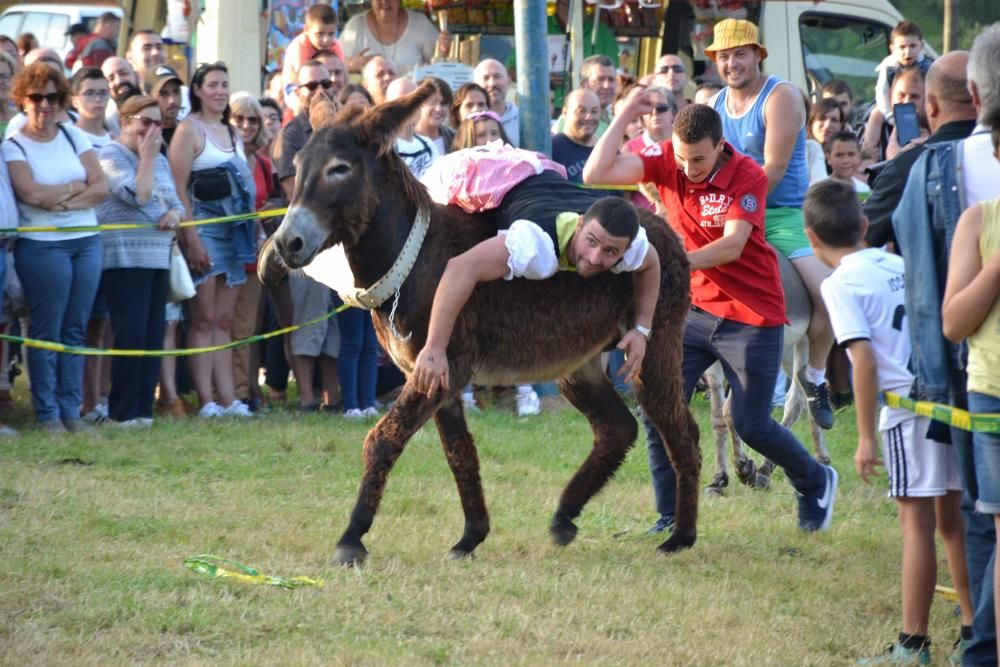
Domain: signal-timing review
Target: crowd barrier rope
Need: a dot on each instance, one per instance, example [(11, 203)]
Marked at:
[(122, 226), (962, 419)]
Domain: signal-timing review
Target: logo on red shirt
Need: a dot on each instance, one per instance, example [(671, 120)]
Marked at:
[(749, 203)]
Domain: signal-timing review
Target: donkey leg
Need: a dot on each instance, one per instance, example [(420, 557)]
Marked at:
[(746, 468), (664, 403), (589, 391), (460, 450), (383, 445), (713, 377)]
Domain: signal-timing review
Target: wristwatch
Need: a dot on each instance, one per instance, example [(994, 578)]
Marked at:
[(645, 331)]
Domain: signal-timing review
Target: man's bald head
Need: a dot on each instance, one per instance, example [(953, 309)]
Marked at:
[(583, 113), (399, 87), (47, 56), (947, 97), (376, 75)]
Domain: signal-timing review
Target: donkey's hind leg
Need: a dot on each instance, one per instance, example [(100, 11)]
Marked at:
[(383, 445), (460, 450), (716, 395), (661, 396), (589, 391)]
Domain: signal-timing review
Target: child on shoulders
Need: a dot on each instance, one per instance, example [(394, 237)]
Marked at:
[(319, 34)]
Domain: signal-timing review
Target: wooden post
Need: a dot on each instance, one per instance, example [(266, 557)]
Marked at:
[(950, 25)]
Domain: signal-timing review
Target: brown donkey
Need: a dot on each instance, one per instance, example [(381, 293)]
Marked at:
[(353, 190)]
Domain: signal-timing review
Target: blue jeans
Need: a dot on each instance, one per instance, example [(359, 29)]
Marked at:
[(136, 300), (750, 359), (357, 365), (983, 488), (60, 281)]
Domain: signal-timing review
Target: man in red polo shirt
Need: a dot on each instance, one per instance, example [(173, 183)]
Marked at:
[(715, 199)]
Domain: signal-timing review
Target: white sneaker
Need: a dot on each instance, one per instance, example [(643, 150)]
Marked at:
[(354, 413), (7, 431), (138, 422), (102, 408), (528, 404), (96, 416), (211, 409), (237, 409), (469, 401), (371, 412)]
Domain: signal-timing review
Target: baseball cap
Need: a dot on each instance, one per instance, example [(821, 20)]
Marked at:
[(157, 77)]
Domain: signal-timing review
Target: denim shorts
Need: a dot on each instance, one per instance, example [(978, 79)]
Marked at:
[(222, 254), (986, 451)]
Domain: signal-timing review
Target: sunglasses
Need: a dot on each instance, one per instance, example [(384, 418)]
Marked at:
[(147, 122), (252, 120), (38, 98), (313, 85), (667, 68), (662, 108)]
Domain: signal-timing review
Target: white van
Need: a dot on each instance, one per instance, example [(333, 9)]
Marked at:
[(49, 23), (808, 43)]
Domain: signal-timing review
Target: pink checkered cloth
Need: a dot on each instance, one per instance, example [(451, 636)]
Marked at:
[(477, 179)]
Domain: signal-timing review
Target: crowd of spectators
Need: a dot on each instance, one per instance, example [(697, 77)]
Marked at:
[(124, 140)]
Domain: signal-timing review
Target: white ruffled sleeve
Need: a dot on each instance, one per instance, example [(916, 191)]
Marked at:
[(532, 253), (634, 255)]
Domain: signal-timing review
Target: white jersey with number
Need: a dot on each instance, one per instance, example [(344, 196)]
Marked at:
[(865, 299)]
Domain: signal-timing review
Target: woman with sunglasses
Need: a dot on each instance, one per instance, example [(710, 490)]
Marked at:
[(57, 181), (657, 126), (248, 119), (90, 95), (213, 180), (136, 262)]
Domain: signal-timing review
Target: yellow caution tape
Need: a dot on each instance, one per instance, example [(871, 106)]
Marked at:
[(122, 226), (947, 593), (967, 421), (191, 351), (218, 567)]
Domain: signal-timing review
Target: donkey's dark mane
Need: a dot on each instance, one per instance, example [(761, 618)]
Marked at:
[(397, 171)]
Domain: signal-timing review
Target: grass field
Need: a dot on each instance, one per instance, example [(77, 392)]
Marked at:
[(94, 529)]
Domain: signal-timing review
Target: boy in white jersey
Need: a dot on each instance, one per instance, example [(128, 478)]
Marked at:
[(864, 297)]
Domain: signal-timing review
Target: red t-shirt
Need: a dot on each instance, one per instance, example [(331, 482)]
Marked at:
[(749, 289)]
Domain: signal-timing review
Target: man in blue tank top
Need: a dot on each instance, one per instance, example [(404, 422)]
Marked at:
[(764, 118)]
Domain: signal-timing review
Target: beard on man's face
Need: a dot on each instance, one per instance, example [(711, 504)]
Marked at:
[(123, 91)]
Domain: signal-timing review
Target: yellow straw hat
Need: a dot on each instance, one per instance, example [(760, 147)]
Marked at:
[(731, 33)]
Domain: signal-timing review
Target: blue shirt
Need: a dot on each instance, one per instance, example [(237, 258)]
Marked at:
[(746, 134)]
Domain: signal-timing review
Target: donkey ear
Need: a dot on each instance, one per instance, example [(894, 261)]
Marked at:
[(381, 124), (322, 112)]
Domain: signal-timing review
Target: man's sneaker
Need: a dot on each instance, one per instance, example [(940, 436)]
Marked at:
[(371, 411), (237, 409), (816, 510), (77, 426), (137, 422), (896, 654), (818, 397), (664, 523), (528, 404), (354, 413), (211, 410), (51, 426), (469, 402)]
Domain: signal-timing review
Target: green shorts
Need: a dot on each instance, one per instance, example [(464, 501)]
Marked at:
[(784, 228)]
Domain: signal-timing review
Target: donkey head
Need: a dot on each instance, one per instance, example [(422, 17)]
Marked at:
[(345, 174)]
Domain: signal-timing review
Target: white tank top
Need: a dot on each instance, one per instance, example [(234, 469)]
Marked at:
[(211, 154)]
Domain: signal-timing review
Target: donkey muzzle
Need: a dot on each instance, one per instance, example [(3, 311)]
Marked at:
[(299, 238)]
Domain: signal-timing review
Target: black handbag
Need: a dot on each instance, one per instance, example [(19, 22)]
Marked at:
[(210, 184)]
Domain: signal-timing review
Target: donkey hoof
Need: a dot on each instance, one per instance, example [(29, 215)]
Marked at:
[(713, 490), (460, 554), (762, 482), (676, 542), (563, 531), (349, 555), (825, 460), (746, 470)]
